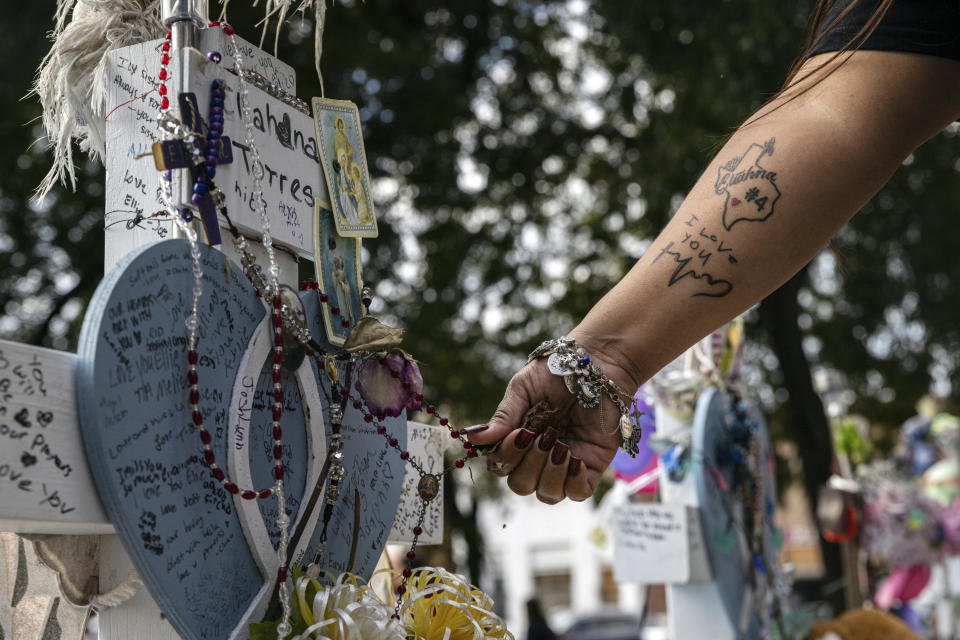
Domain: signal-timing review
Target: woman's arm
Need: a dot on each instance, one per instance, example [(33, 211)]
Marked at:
[(780, 188), (783, 184)]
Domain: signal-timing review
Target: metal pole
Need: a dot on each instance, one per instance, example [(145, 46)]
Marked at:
[(184, 18)]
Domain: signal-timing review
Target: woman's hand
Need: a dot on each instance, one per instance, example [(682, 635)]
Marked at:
[(544, 464)]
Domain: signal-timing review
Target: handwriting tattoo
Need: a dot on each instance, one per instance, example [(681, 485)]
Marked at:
[(709, 286), (750, 191)]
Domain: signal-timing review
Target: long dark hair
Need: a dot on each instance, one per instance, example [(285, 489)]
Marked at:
[(818, 33)]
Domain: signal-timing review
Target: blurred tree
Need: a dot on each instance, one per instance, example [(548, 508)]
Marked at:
[(524, 155)]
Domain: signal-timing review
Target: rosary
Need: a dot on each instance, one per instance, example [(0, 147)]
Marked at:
[(288, 323)]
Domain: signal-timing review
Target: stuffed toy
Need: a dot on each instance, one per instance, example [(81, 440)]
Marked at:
[(862, 624)]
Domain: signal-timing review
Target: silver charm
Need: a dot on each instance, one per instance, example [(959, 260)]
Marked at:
[(558, 366)]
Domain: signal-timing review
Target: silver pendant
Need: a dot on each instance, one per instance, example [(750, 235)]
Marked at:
[(557, 367)]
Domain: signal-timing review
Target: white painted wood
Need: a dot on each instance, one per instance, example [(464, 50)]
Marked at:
[(693, 610), (45, 483), (139, 617), (285, 137), (426, 444)]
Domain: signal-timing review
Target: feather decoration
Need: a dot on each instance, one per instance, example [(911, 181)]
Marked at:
[(71, 82)]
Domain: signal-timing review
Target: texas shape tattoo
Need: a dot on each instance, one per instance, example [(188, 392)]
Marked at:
[(750, 190)]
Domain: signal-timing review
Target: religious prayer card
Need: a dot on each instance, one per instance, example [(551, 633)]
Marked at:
[(344, 163), (338, 274)]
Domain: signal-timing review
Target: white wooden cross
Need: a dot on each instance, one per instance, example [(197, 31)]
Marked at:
[(45, 482)]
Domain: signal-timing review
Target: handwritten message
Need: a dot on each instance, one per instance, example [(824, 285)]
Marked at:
[(658, 544), (180, 526), (285, 138), (45, 483), (426, 445)]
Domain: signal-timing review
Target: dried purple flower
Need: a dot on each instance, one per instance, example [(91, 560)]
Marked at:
[(390, 384)]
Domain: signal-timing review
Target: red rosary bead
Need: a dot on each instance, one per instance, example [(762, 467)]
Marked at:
[(215, 23), (324, 297), (164, 103), (467, 445), (163, 74), (277, 433), (192, 377), (382, 430), (356, 404), (431, 409), (277, 451), (194, 396), (345, 324), (197, 418), (282, 574), (165, 46), (277, 414), (249, 495), (227, 29), (316, 285), (208, 456), (407, 573), (277, 303), (192, 356), (402, 589), (164, 59), (394, 442), (404, 455), (368, 418), (417, 530), (459, 463), (266, 493), (169, 35), (232, 488), (219, 474), (335, 310), (205, 436), (472, 454), (278, 472), (411, 554), (304, 285), (444, 422), (278, 395), (278, 341), (454, 434), (277, 377)]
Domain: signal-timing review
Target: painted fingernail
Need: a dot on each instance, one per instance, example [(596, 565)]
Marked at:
[(548, 439), (559, 453), (573, 468), (523, 439), (477, 428)]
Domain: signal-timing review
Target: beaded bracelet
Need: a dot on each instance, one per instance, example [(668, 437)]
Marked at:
[(587, 383)]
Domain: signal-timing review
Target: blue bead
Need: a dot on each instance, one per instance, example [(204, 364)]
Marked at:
[(216, 110), (212, 158), (216, 101), (211, 171), (196, 198), (200, 188), (583, 362), (186, 214), (217, 117), (213, 134)]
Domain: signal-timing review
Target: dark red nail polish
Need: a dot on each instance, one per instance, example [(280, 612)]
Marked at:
[(548, 439), (523, 439), (477, 428), (573, 468), (559, 453)]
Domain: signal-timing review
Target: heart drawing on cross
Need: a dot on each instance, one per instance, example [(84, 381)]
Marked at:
[(209, 558)]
